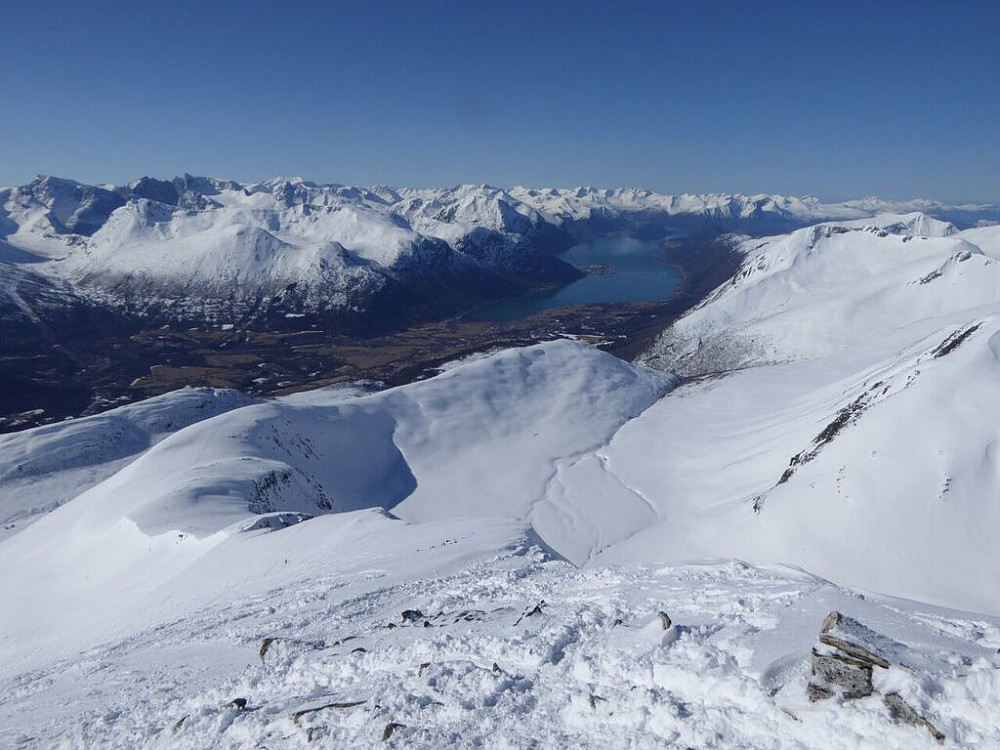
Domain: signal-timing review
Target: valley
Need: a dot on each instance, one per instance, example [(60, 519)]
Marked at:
[(114, 294)]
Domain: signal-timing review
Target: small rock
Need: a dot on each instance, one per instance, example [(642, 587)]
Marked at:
[(265, 647), (412, 615), (316, 733), (391, 727), (496, 667), (900, 710), (423, 666), (665, 620), (536, 610), (239, 703), (297, 716)]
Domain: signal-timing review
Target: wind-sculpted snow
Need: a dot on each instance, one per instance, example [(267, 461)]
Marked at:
[(360, 631), (43, 468), (482, 439)]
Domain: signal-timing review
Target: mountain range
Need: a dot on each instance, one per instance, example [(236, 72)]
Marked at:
[(198, 250)]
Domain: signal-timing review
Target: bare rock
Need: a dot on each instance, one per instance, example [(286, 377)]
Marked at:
[(665, 620), (412, 615), (391, 727), (854, 639), (276, 648), (901, 711), (835, 673)]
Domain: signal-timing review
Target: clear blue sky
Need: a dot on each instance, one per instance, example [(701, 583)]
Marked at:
[(836, 99)]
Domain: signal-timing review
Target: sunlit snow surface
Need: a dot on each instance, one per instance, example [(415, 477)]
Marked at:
[(525, 503), (592, 668)]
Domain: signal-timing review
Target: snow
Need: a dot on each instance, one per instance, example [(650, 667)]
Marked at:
[(828, 288), (200, 248), (41, 469), (590, 667), (539, 507), (730, 209)]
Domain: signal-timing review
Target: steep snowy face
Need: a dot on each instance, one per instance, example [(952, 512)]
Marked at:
[(874, 467), (825, 289), (853, 431)]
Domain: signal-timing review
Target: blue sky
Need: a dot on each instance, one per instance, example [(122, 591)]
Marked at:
[(835, 99)]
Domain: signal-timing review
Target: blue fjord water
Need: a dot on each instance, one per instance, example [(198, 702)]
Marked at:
[(639, 276)]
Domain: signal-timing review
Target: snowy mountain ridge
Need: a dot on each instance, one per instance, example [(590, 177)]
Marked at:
[(201, 248), (734, 209)]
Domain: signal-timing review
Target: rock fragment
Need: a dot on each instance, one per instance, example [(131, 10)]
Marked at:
[(901, 711), (391, 727), (536, 610)]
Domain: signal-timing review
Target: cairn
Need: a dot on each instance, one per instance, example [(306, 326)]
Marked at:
[(843, 663)]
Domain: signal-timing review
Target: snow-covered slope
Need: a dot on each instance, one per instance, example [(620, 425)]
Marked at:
[(359, 631), (857, 435), (41, 469), (830, 287), (881, 472)]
